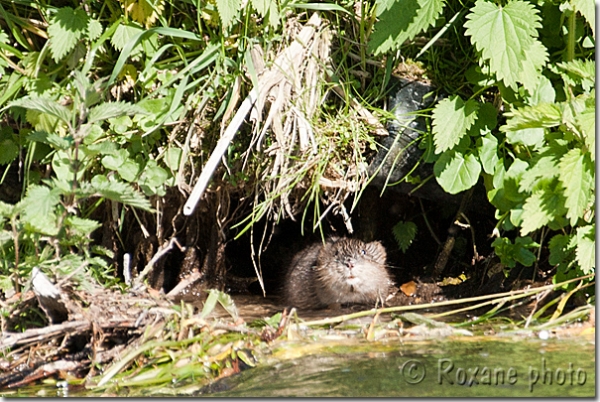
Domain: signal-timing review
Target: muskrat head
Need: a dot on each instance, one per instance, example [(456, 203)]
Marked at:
[(351, 261)]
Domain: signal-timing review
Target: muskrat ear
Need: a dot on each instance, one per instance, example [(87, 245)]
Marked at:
[(333, 239)]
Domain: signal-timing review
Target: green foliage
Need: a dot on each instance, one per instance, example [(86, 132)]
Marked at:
[(506, 37), (402, 20), (404, 233), (538, 166)]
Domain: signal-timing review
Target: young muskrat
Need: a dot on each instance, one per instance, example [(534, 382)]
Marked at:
[(339, 272)]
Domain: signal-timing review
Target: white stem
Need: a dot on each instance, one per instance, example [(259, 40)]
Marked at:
[(218, 152)]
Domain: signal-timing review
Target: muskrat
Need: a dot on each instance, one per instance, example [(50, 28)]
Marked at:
[(338, 272)]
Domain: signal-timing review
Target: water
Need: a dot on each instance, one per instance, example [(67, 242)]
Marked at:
[(501, 368)]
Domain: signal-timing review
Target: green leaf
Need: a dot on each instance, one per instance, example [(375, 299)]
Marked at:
[(65, 29), (115, 160), (531, 66), (44, 105), (118, 191), (173, 158), (510, 253), (129, 170), (8, 151), (63, 166), (228, 10), (504, 35), (537, 116), (577, 178), (38, 209), (94, 29), (456, 172), (404, 233), (579, 72), (451, 119), (531, 137), (559, 249), (400, 21), (488, 153), (585, 251), (81, 226), (123, 34), (153, 178), (586, 121), (543, 93), (541, 173), (120, 125), (487, 120), (54, 140), (267, 8), (541, 208), (110, 110)]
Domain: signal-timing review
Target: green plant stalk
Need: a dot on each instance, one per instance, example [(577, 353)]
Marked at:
[(572, 21), (513, 295)]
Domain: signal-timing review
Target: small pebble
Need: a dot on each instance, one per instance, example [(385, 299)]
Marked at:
[(544, 335)]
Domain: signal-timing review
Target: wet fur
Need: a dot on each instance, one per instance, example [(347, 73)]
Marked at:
[(341, 271)]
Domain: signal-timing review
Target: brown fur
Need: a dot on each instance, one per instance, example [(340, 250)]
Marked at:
[(339, 272)]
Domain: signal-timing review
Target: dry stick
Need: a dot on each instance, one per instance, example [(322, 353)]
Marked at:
[(510, 295), (219, 151)]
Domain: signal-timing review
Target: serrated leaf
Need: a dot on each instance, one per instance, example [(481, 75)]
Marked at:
[(54, 140), (400, 21), (579, 72), (44, 105), (451, 119), (228, 10), (540, 209), (559, 249), (531, 66), (65, 29), (488, 153), (82, 226), (586, 121), (585, 252), (110, 110), (38, 209), (486, 121), (503, 35), (8, 151), (119, 191), (541, 173), (587, 8), (94, 29), (456, 172), (536, 116), (123, 34), (404, 233), (577, 178)]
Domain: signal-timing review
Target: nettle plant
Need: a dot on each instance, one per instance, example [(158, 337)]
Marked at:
[(536, 148), (76, 135)]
